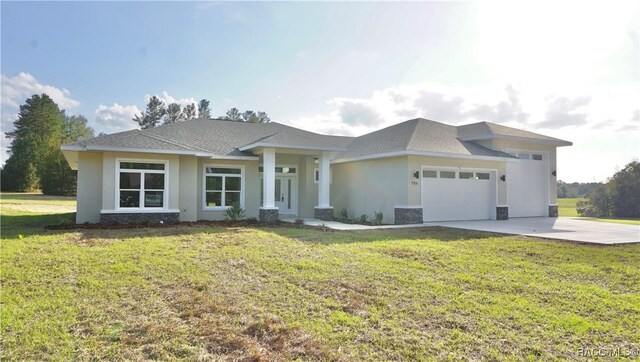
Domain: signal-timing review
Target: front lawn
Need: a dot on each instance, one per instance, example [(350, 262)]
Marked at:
[(205, 293)]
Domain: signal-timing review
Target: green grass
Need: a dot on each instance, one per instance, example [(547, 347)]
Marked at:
[(36, 198), (567, 207), (282, 293)]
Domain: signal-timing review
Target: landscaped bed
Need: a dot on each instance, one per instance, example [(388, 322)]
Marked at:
[(210, 292)]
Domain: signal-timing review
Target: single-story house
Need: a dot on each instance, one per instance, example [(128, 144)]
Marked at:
[(413, 172)]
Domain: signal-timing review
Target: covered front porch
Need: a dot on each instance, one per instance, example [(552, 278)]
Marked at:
[(293, 181)]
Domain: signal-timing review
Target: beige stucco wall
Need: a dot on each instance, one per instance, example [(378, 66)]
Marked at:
[(415, 163), (506, 145), (364, 187), (188, 195), (109, 177), (89, 187)]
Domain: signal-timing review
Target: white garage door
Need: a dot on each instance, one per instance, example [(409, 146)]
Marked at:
[(457, 195), (527, 185)]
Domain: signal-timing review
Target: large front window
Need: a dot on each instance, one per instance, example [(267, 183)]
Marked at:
[(142, 185), (222, 186)]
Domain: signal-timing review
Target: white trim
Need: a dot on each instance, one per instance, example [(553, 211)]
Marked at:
[(268, 208), (557, 142), (407, 206), (553, 204), (323, 207), (158, 151), (502, 205), (139, 211), (204, 185), (165, 191), (421, 153), (293, 147)]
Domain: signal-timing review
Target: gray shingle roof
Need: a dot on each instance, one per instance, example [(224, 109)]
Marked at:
[(419, 135), (226, 138)]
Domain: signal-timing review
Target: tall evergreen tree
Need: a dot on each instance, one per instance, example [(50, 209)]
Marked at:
[(189, 111), (152, 115), (203, 109), (173, 114), (37, 132), (233, 115)]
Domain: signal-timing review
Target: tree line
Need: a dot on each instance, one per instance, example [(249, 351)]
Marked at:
[(156, 113), (35, 161), (618, 197)]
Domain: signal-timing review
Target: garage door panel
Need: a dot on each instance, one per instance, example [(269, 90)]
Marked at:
[(527, 186), (458, 199)]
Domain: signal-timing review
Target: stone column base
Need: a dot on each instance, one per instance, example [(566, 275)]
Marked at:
[(269, 215), (502, 213), (553, 210), (323, 213), (138, 218), (408, 215)]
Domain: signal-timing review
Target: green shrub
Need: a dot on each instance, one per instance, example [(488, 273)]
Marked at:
[(234, 212), (377, 217), (299, 222), (344, 215), (364, 218)]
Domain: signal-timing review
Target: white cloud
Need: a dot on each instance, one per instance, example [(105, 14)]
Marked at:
[(115, 118), (168, 99), (601, 121), (16, 89)]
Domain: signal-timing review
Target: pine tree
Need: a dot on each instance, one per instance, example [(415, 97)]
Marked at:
[(37, 131), (233, 115), (152, 115), (203, 109), (173, 114), (189, 111)]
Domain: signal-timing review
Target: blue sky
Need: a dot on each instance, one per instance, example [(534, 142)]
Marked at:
[(342, 68)]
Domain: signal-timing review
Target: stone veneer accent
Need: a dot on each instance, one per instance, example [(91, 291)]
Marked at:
[(323, 213), (269, 215), (553, 210), (137, 217), (502, 213), (408, 215)]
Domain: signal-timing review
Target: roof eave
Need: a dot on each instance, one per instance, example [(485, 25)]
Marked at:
[(75, 148), (422, 153), (556, 142), (253, 146)]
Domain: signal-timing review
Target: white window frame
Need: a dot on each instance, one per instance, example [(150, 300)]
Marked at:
[(165, 191), (204, 186)]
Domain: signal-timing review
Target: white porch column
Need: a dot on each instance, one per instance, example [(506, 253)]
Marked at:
[(324, 180), (269, 176)]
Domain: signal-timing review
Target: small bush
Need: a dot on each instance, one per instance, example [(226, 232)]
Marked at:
[(344, 215), (364, 218), (234, 212), (299, 222), (377, 218)]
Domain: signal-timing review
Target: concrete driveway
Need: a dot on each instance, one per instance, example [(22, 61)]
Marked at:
[(565, 228)]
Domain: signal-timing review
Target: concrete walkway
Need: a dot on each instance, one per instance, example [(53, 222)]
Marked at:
[(335, 225), (564, 228)]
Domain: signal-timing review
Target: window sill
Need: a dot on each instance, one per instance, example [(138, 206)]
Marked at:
[(138, 211)]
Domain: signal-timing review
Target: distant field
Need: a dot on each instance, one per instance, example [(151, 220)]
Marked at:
[(567, 207), (37, 202)]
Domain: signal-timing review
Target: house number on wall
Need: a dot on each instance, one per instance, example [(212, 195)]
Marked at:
[(415, 183)]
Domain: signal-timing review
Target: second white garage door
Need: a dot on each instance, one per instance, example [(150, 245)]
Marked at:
[(527, 181), (457, 195)]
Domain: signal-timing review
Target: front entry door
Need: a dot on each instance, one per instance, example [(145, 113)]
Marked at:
[(285, 195)]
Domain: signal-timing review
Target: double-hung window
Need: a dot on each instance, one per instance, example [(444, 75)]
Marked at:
[(223, 186), (141, 185)]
